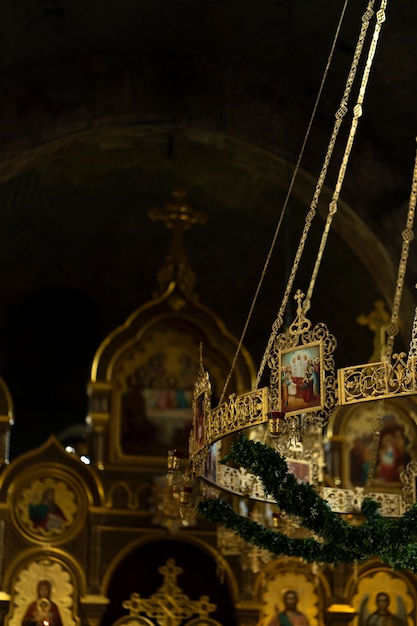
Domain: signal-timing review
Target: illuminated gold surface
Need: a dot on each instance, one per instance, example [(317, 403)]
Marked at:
[(373, 381), (68, 496), (376, 580), (62, 590), (177, 215)]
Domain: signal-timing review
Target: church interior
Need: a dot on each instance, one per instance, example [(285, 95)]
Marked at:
[(179, 165)]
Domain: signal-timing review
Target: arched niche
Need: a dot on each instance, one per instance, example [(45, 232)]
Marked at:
[(372, 442), (143, 374), (142, 573)]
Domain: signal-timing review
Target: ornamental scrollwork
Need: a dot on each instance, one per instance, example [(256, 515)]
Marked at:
[(349, 501), (303, 381), (240, 412), (379, 380), (408, 479)]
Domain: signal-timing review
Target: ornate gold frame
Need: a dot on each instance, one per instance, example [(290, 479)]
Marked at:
[(286, 357), (379, 579), (66, 486), (362, 427), (201, 405), (291, 574), (302, 337)]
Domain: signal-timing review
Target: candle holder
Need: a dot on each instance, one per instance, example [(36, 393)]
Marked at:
[(174, 459), (275, 425)]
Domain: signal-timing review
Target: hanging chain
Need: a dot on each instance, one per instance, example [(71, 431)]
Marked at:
[(376, 430), (287, 197), (408, 237), (392, 329), (357, 113), (340, 114), (413, 344)]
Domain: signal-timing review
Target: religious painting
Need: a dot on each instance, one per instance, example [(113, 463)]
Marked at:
[(43, 594), (210, 467), (301, 385), (46, 508), (199, 422), (155, 391), (200, 434), (384, 598), (42, 610), (387, 453), (287, 591), (299, 469)]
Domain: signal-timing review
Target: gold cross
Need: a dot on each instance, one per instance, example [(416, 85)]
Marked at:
[(169, 605), (177, 215), (377, 321)]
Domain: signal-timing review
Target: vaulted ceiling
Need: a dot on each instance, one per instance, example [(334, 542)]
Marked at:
[(106, 108)]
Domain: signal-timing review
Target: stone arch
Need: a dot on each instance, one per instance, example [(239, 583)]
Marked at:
[(263, 161)]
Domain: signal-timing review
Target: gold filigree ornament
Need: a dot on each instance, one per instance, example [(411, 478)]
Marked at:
[(302, 381), (201, 432), (303, 389)]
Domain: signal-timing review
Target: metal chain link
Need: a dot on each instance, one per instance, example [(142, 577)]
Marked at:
[(340, 114), (357, 113), (408, 236)]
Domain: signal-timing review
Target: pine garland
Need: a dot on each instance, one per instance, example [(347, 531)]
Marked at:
[(393, 541)]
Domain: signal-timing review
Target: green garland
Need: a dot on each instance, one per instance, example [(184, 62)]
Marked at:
[(393, 541)]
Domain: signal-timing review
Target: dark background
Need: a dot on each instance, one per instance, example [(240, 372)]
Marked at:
[(107, 107)]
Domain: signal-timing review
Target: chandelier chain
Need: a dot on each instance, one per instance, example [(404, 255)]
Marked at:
[(377, 426), (284, 208), (357, 113), (312, 212)]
